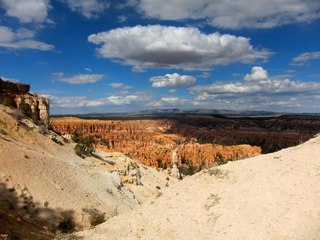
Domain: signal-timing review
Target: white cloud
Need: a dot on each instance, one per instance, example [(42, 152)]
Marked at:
[(123, 100), (172, 80), (21, 39), (304, 58), (174, 47), (172, 91), (257, 74), (257, 90), (88, 69), (27, 10), (167, 102), (82, 101), (120, 86), (72, 102), (88, 8), (235, 14), (170, 99), (257, 82), (79, 78)]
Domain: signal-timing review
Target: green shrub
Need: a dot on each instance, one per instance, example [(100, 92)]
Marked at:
[(84, 145)]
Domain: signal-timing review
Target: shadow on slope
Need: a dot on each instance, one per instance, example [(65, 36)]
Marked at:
[(23, 218)]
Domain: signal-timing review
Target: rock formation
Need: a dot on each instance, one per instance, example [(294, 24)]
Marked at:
[(152, 143), (17, 96)]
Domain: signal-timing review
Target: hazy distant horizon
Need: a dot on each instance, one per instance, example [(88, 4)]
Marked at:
[(163, 110)]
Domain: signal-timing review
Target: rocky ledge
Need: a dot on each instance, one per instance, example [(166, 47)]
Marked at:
[(17, 95)]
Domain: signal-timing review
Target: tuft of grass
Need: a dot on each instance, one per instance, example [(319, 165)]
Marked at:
[(212, 200), (218, 173)]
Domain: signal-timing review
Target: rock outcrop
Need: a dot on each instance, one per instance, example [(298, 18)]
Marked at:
[(17, 96), (151, 142)]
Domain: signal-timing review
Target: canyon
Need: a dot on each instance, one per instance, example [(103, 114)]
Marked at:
[(152, 142), (201, 141)]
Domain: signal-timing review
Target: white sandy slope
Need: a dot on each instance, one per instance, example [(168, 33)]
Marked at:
[(57, 178), (269, 197)]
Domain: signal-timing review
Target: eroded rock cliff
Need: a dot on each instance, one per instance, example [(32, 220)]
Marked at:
[(17, 96), (152, 143)]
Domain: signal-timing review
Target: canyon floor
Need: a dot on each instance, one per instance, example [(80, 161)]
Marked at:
[(270, 197)]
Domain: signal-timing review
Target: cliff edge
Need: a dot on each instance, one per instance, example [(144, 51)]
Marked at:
[(17, 95)]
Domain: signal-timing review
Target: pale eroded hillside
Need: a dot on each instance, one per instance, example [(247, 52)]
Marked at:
[(46, 183), (269, 197)]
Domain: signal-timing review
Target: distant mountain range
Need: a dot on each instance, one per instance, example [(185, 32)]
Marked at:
[(162, 113)]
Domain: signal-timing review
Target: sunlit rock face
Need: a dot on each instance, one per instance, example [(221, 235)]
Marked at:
[(17, 96), (154, 143)]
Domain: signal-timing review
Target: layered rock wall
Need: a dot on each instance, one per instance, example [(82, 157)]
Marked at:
[(18, 96)]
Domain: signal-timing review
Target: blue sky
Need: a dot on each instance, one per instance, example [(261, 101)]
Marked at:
[(130, 55)]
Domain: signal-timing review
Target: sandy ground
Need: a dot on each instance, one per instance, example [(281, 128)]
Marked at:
[(269, 197), (45, 183)]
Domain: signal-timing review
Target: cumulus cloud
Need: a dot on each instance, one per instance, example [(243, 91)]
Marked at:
[(27, 11), (22, 38), (172, 90), (257, 82), (172, 80), (79, 78), (235, 14), (174, 47), (88, 8), (257, 74), (257, 89), (305, 58)]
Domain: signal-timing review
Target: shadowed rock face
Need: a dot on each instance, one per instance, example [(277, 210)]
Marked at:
[(18, 96), (152, 142)]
